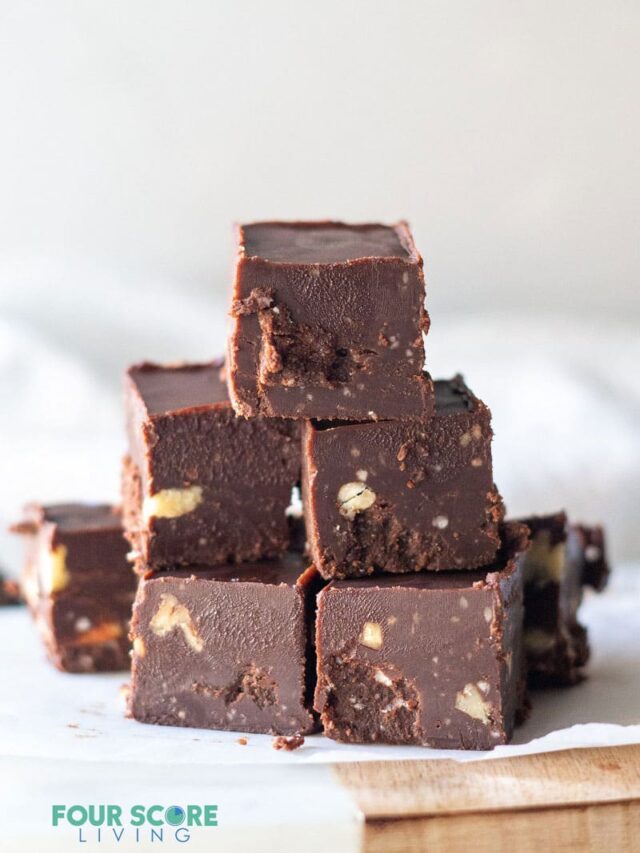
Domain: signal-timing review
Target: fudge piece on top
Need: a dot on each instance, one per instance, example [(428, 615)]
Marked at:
[(78, 584), (226, 648), (429, 659), (328, 321), (402, 496), (562, 560), (201, 485)]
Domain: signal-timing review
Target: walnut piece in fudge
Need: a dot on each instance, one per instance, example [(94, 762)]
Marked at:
[(430, 659), (226, 648), (562, 560), (402, 496), (328, 321), (78, 584), (201, 485)]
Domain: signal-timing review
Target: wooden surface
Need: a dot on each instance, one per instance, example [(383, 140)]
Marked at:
[(582, 800)]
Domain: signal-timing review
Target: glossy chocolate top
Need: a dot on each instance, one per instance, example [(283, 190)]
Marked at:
[(452, 395), (70, 517), (325, 242), (289, 570), (555, 525), (171, 388)]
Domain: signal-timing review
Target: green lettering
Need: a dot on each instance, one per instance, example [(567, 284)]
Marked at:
[(211, 815), (137, 815), (114, 815), (57, 814), (194, 815), (77, 815), (151, 811)]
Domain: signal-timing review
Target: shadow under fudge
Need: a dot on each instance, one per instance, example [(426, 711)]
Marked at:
[(78, 584), (200, 485), (403, 496), (328, 322)]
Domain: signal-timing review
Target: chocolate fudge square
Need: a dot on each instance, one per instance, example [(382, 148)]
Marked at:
[(226, 648), (562, 560), (402, 496), (78, 584), (201, 485), (430, 660), (10, 592), (328, 321)]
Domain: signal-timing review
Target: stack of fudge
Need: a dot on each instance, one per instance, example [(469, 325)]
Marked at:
[(314, 524)]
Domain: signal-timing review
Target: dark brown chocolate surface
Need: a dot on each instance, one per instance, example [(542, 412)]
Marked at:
[(168, 390), (323, 242), (433, 660), (327, 322), (234, 475), (78, 584), (226, 648), (402, 496), (556, 569)]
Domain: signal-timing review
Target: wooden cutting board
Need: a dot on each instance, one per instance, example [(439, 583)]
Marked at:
[(580, 799)]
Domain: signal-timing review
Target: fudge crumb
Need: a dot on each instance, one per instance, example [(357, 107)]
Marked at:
[(242, 741), (287, 743), (10, 592)]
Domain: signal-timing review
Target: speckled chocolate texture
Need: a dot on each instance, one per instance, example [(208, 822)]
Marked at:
[(328, 320), (226, 648), (562, 560), (430, 660), (402, 496), (200, 485), (78, 584)]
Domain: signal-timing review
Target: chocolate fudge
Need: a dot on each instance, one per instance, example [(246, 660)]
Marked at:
[(200, 485), (328, 321), (226, 648), (402, 496), (563, 559), (429, 659), (78, 584), (10, 592)]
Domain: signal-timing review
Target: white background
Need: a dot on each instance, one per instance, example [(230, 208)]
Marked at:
[(134, 133)]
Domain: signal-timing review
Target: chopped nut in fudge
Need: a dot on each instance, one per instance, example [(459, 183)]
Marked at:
[(328, 322)]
